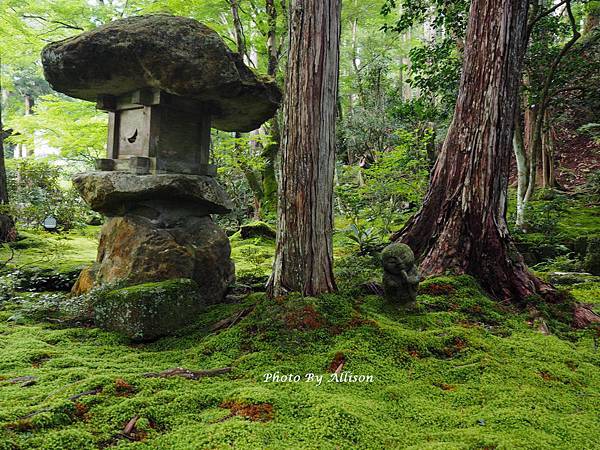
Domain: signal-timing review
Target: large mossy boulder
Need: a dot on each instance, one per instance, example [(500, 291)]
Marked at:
[(145, 312), (134, 249)]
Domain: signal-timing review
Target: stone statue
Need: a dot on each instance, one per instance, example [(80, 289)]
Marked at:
[(164, 81), (400, 276)]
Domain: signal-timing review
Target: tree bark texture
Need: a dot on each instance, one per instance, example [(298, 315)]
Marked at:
[(304, 254), (7, 225), (462, 225)]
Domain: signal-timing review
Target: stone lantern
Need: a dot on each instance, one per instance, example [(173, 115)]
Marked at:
[(165, 81), (152, 131)]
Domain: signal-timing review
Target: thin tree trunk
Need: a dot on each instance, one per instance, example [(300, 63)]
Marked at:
[(536, 139), (304, 254), (548, 179), (551, 157), (531, 115), (7, 225), (522, 169), (269, 177), (3, 181), (239, 31), (462, 225), (356, 60), (272, 47), (544, 168)]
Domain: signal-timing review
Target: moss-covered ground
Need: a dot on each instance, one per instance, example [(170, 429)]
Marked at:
[(62, 252), (460, 372)]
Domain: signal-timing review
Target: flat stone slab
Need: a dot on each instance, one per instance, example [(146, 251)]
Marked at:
[(179, 55), (112, 193)]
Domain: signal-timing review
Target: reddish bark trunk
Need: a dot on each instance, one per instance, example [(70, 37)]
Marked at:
[(462, 225), (304, 255)]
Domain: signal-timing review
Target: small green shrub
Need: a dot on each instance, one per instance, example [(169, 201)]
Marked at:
[(592, 187), (37, 190), (368, 240), (543, 217), (562, 263)]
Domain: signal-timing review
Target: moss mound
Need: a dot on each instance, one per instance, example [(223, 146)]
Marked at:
[(460, 372), (257, 229), (147, 311)]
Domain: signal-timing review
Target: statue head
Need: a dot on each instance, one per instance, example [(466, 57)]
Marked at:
[(397, 257)]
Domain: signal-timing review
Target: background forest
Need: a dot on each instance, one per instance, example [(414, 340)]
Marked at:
[(465, 371)]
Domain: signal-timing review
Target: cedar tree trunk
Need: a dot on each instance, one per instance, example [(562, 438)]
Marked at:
[(462, 225), (304, 254)]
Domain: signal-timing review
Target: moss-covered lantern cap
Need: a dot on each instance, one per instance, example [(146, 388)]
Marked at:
[(178, 55)]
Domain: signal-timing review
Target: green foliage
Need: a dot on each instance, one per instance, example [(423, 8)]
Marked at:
[(73, 126), (61, 253), (37, 191), (352, 271), (240, 162), (35, 279), (592, 187), (368, 241), (435, 70), (253, 259), (383, 193), (435, 65), (561, 263), (543, 217)]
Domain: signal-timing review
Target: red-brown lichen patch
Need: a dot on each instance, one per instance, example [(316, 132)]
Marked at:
[(38, 360), (337, 360), (259, 412), (358, 321), (20, 425), (355, 322), (547, 376), (445, 386), (414, 353), (280, 299), (123, 388), (81, 411), (438, 289), (304, 319), (455, 346)]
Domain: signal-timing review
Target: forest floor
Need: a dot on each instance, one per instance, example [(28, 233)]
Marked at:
[(460, 372)]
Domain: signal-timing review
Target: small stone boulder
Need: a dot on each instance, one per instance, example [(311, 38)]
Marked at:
[(257, 229), (400, 276), (85, 281), (178, 55), (145, 312)]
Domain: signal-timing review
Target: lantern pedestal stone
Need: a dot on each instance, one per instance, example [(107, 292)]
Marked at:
[(158, 227)]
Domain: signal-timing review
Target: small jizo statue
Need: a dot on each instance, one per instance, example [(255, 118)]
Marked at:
[(400, 276)]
